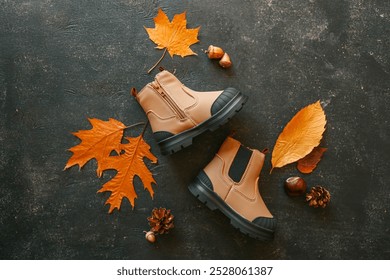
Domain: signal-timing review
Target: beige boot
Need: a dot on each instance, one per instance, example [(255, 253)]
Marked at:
[(177, 114), (230, 183)]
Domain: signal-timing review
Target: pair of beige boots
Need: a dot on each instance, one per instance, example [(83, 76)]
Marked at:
[(230, 181)]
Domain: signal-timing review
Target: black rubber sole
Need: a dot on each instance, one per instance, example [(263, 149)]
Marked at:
[(179, 141), (213, 202)]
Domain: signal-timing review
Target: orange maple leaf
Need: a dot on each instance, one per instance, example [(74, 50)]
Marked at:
[(129, 164), (98, 143), (300, 135), (173, 36)]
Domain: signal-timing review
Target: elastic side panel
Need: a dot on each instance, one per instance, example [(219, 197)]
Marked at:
[(239, 164)]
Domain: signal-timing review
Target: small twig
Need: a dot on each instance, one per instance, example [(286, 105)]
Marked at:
[(161, 58), (146, 125), (130, 126)]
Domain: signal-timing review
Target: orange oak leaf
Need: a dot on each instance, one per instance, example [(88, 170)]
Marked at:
[(310, 161), (128, 164), (98, 143), (300, 135), (173, 36)]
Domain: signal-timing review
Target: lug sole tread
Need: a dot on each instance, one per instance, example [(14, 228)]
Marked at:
[(214, 202)]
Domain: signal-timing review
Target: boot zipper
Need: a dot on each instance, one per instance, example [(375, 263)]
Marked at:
[(156, 85)]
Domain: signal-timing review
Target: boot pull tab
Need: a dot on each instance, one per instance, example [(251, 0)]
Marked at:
[(134, 92), (161, 68), (265, 151)]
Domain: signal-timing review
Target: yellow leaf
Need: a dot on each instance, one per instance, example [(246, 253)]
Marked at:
[(300, 135)]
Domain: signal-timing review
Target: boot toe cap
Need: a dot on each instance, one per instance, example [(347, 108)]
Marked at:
[(223, 99), (264, 222)]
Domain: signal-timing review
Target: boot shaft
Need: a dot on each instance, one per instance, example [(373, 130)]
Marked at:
[(234, 175), (177, 113), (230, 183), (172, 107)]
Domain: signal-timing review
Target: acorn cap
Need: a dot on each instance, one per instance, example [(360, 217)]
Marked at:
[(214, 52)]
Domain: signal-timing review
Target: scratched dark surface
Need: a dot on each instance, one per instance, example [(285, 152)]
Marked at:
[(62, 62)]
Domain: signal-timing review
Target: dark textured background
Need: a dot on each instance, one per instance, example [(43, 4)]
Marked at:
[(63, 61)]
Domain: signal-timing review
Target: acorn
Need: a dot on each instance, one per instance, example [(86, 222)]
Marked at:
[(214, 52), (295, 186), (150, 236), (225, 61)]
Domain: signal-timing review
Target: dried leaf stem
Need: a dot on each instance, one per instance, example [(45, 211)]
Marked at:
[(161, 58)]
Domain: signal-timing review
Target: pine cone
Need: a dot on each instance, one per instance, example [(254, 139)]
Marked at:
[(318, 197), (161, 220)]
